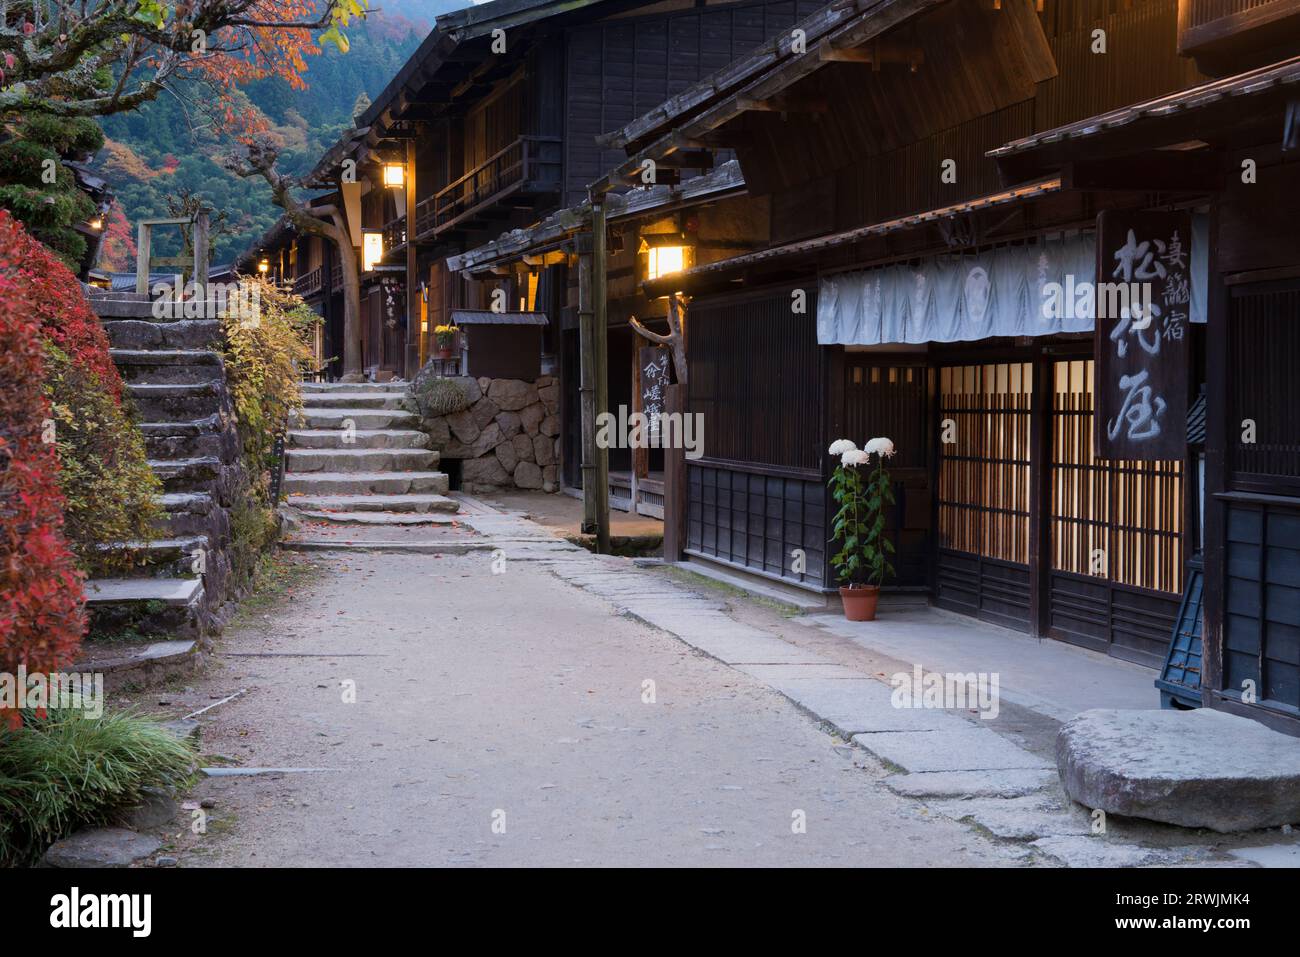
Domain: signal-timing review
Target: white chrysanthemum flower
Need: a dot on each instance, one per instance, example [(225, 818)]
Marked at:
[(840, 446), (855, 457), (881, 446)]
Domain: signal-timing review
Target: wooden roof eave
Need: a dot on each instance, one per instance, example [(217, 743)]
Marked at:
[(547, 235), (1211, 111), (737, 71), (878, 19), (808, 250)]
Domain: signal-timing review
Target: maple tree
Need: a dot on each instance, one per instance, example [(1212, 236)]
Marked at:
[(69, 58)]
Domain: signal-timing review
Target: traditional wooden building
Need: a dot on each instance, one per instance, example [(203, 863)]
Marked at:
[(491, 125), (653, 231), (941, 177)]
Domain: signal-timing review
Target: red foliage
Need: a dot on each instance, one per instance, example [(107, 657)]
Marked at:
[(51, 294), (41, 615)]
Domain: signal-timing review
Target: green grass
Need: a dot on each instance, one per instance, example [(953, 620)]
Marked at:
[(68, 771), (703, 582)]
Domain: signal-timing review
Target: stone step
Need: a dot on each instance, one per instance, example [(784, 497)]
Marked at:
[(299, 461), (199, 438), (165, 403), (360, 439), (168, 366), (384, 518), (145, 334), (370, 419), (365, 483), (164, 557), (398, 388), (352, 400), (122, 608), (187, 475), (416, 503), (193, 513)]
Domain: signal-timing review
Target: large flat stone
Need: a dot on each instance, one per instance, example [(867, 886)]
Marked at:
[(861, 706), (966, 748), (970, 784), (1201, 768), (101, 847)]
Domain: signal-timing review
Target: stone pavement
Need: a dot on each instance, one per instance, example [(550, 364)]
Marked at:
[(518, 660), (959, 764)]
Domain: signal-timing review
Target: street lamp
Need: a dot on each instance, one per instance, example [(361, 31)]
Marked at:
[(666, 254), (264, 265)]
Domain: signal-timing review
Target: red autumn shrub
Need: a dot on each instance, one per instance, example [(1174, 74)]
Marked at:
[(54, 298), (41, 614)]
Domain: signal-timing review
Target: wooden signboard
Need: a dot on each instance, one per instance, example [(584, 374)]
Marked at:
[(651, 378), (1142, 305)]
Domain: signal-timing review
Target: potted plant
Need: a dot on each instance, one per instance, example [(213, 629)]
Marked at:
[(445, 336), (862, 494)]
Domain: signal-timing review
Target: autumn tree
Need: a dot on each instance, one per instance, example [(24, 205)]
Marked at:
[(72, 58)]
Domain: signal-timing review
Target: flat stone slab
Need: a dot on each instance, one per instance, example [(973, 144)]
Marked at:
[(101, 847), (970, 784), (733, 643), (1270, 855), (1095, 851), (173, 591), (1201, 768), (861, 706), (950, 749), (1018, 819)]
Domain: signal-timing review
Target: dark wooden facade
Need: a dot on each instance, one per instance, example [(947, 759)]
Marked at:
[(1007, 521)]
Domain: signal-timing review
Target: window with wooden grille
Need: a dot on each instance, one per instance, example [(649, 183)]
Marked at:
[(755, 378), (1264, 389), (984, 491), (1117, 520)]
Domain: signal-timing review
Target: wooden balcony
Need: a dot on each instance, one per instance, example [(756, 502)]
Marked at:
[(1226, 36), (526, 169), (310, 283)]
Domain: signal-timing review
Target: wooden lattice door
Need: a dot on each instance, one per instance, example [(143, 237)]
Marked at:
[(984, 493)]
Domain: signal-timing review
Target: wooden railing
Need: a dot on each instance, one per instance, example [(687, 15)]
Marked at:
[(309, 283), (527, 163), (394, 234)]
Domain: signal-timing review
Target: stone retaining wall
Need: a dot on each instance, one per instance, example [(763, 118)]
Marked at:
[(508, 437)]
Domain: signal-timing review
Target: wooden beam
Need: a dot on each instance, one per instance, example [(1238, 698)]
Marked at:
[(783, 103), (722, 139), (688, 159), (875, 54)]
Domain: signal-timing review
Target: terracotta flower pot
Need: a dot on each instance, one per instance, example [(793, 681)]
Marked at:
[(444, 352), (860, 603)]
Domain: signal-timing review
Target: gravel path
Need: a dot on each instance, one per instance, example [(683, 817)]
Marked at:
[(499, 720)]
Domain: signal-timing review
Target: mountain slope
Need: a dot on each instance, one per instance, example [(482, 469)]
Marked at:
[(164, 150)]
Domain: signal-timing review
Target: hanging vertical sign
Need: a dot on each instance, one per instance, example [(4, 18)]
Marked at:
[(654, 363), (1142, 307)]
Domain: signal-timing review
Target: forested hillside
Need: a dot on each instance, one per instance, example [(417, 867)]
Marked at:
[(167, 149)]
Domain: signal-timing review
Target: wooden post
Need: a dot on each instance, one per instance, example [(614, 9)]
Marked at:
[(144, 235), (201, 252), (1040, 492), (674, 483), (410, 364), (600, 339), (587, 389)]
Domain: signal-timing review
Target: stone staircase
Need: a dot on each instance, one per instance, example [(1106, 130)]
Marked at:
[(178, 582), (358, 459)]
